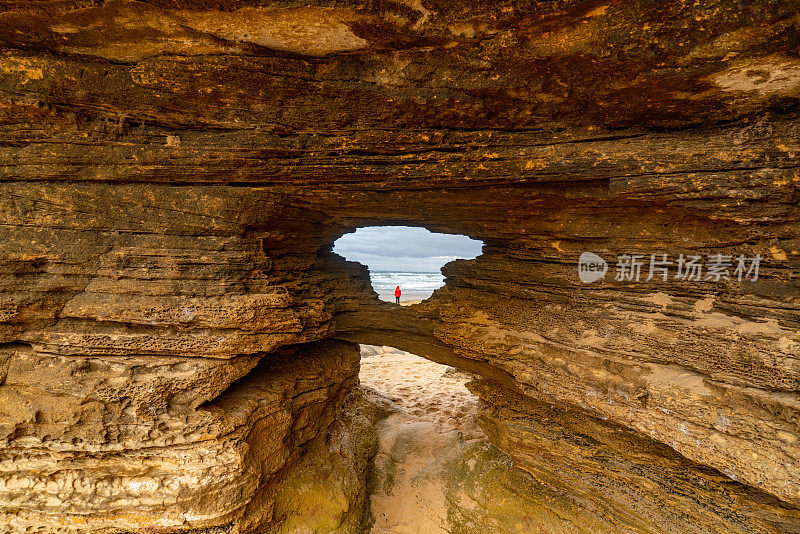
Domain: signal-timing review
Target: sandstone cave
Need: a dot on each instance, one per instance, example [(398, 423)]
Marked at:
[(180, 347)]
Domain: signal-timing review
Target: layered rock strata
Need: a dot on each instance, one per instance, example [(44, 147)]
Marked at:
[(175, 173), (93, 444)]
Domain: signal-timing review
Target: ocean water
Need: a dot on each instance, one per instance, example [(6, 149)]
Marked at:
[(414, 286)]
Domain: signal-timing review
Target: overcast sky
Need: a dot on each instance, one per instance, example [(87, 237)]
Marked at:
[(402, 248)]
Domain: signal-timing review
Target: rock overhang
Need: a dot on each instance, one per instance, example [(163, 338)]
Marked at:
[(170, 176)]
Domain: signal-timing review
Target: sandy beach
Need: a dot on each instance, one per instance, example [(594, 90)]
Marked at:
[(436, 472), (436, 413)]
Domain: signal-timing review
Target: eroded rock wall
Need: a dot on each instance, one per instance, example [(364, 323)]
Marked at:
[(175, 172), (104, 444)]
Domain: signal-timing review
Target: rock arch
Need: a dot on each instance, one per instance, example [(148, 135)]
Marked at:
[(172, 339)]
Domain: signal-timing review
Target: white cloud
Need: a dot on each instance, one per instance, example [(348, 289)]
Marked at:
[(403, 248)]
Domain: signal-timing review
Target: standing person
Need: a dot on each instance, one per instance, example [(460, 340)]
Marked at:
[(397, 294)]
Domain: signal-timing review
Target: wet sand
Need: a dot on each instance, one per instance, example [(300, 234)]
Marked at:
[(436, 413)]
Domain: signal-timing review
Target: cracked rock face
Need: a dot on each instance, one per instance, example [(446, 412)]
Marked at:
[(174, 329)]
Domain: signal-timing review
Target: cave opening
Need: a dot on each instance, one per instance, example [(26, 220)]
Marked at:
[(408, 257)]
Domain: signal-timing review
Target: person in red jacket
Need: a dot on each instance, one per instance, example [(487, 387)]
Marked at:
[(397, 294)]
